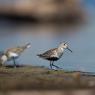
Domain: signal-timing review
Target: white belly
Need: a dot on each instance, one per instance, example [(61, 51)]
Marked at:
[(4, 59), (12, 54)]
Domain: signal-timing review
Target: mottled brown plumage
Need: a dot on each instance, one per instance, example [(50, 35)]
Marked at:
[(17, 50)]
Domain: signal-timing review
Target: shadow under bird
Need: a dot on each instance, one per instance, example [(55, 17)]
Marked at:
[(13, 53), (54, 54)]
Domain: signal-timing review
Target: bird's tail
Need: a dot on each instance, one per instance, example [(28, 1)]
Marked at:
[(39, 55)]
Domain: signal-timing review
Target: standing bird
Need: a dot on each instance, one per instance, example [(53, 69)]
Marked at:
[(14, 53), (54, 54)]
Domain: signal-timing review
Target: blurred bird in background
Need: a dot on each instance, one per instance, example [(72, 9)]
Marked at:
[(13, 53)]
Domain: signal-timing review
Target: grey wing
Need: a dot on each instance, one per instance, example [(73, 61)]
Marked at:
[(49, 53)]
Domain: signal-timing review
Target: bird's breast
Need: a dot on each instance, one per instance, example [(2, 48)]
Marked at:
[(60, 54), (54, 54), (4, 58)]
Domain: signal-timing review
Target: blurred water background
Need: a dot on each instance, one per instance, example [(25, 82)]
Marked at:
[(44, 36)]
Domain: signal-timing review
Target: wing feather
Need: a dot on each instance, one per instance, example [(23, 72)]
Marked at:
[(49, 53), (15, 50)]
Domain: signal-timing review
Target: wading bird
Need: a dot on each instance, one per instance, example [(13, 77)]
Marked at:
[(54, 54), (14, 53)]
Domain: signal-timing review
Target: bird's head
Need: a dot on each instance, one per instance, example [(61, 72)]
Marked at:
[(64, 45), (28, 45)]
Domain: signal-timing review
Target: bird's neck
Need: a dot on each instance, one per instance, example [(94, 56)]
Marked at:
[(60, 49), (23, 47)]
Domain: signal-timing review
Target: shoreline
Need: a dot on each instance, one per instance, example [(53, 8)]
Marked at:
[(39, 78)]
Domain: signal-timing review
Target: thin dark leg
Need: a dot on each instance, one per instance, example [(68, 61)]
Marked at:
[(55, 65), (14, 62), (50, 65)]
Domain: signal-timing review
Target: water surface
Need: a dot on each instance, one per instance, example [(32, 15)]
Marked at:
[(46, 36)]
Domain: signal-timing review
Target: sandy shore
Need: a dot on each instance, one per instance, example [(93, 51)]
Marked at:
[(74, 92), (39, 78)]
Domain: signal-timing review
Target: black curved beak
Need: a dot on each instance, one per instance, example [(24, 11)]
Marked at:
[(69, 49)]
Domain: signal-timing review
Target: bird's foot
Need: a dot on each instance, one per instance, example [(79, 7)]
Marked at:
[(56, 67)]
